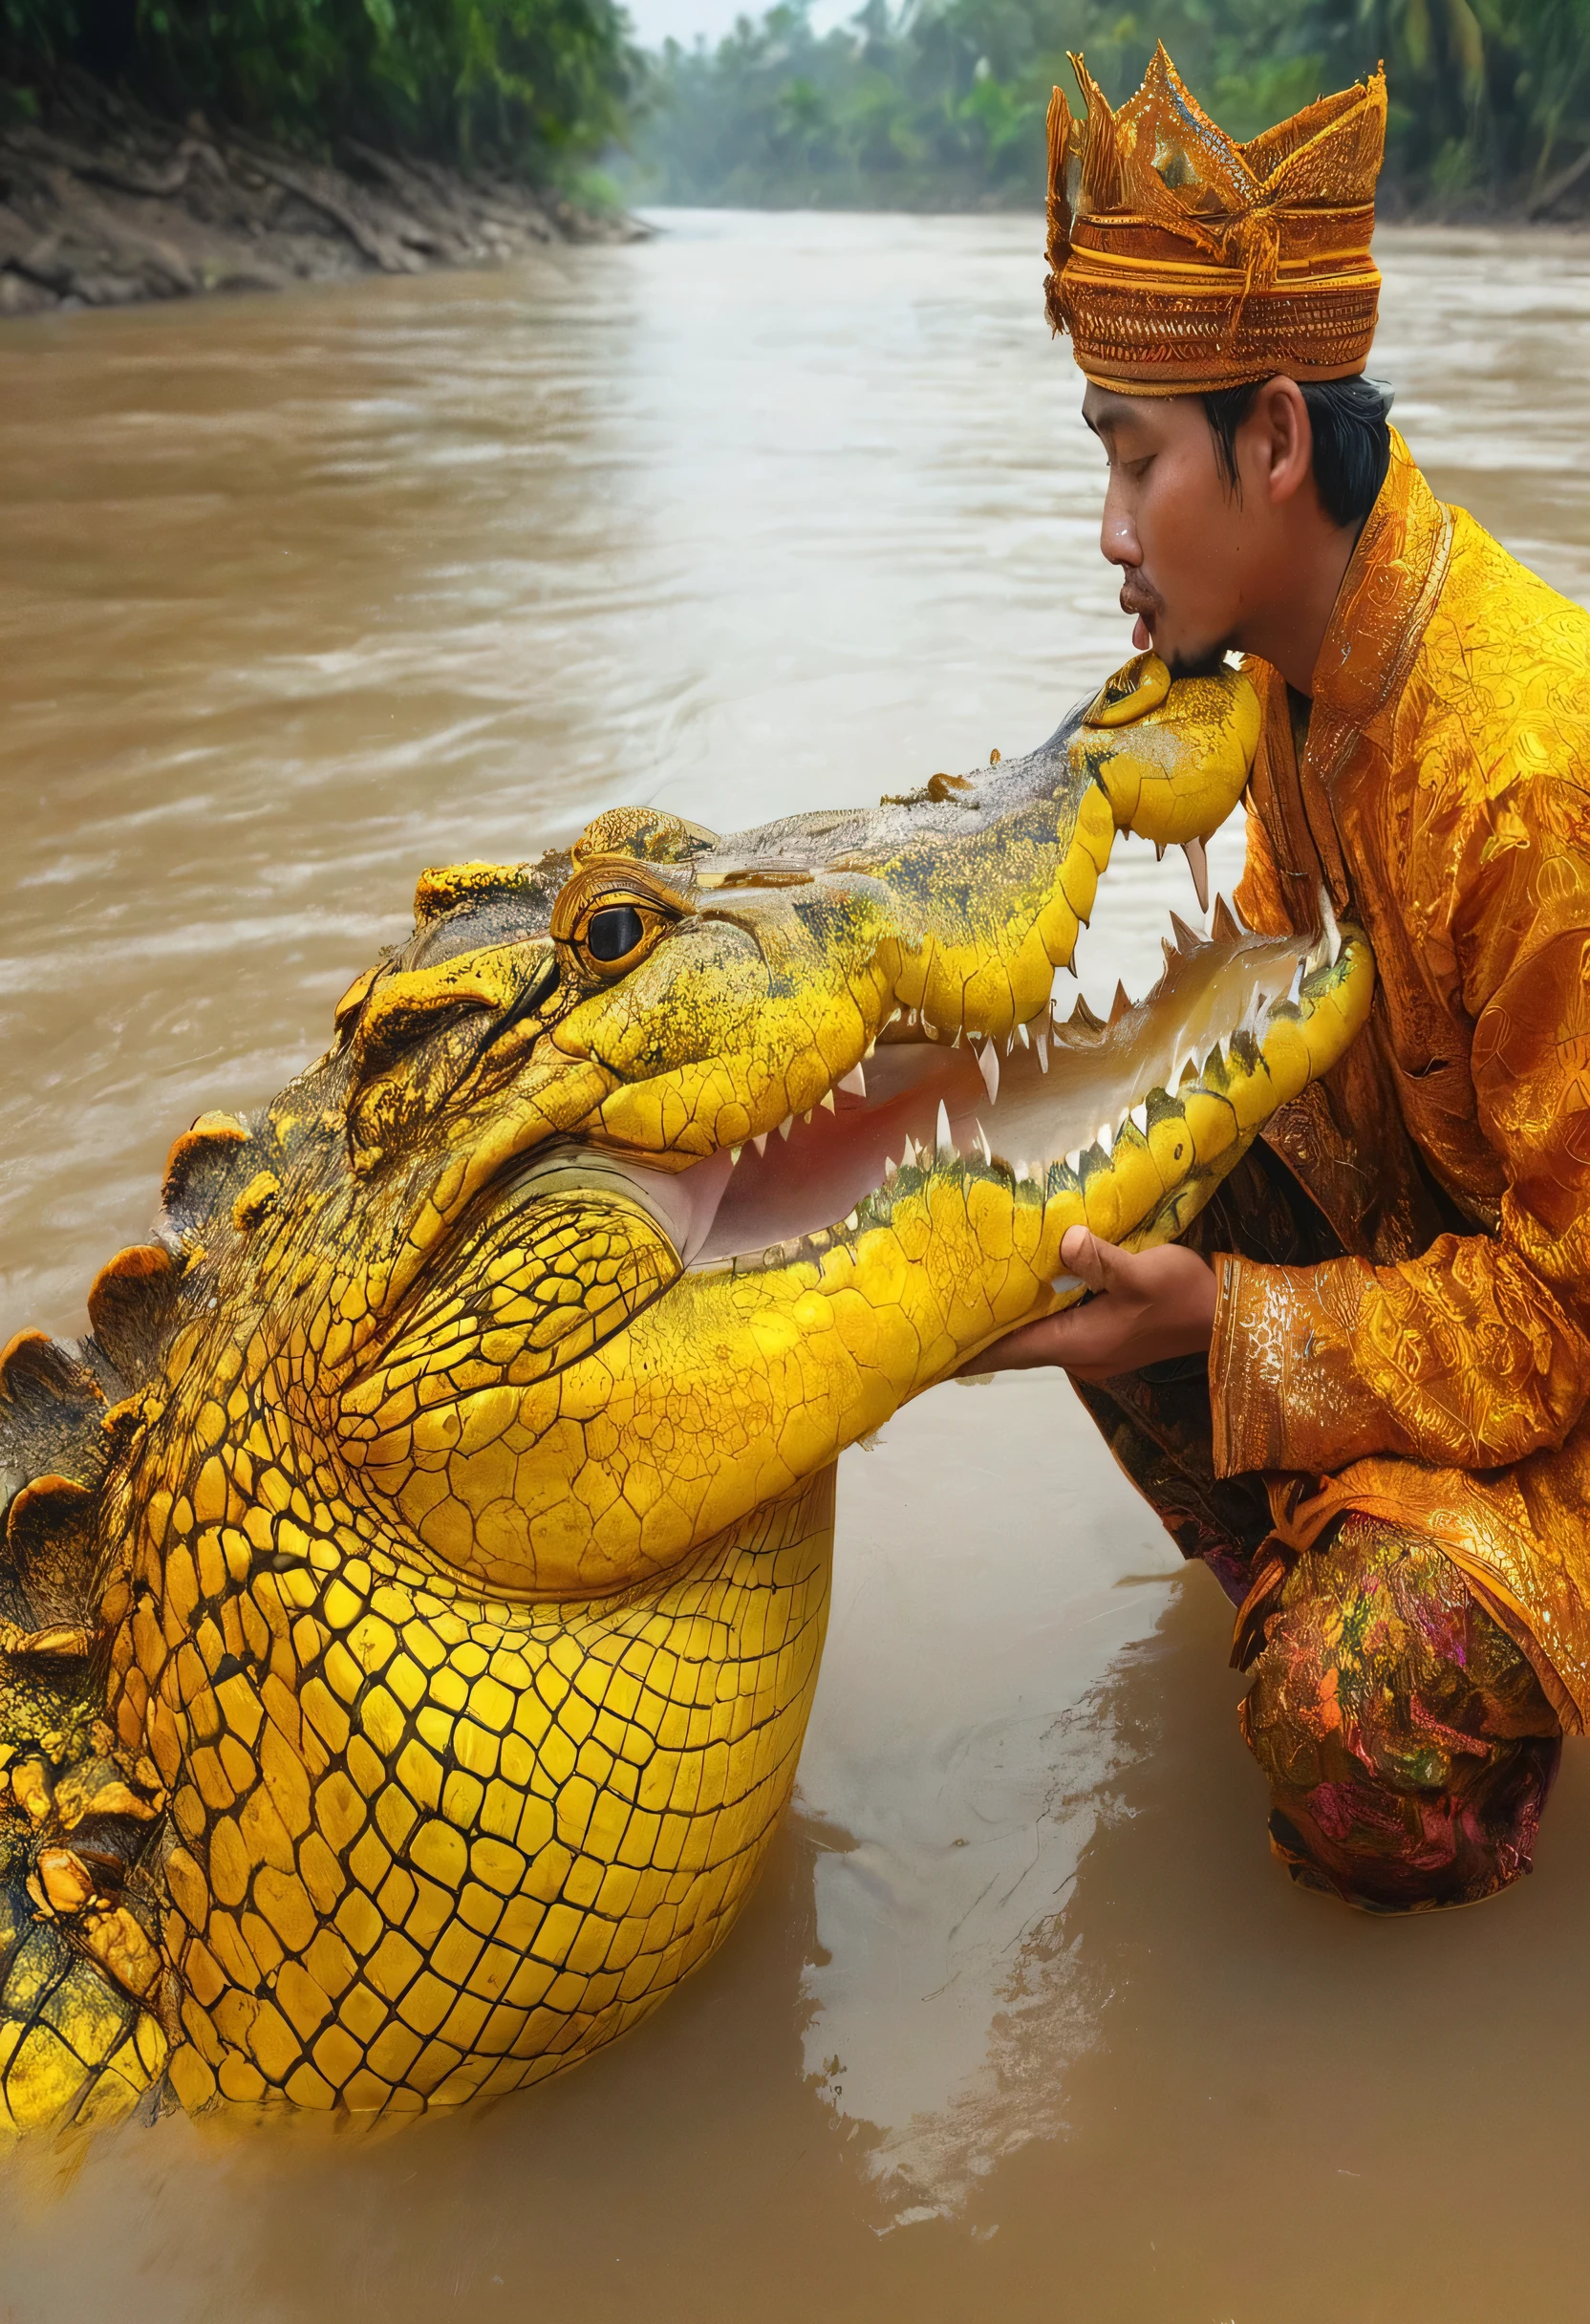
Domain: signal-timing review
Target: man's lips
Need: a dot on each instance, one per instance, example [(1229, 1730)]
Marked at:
[(1132, 602)]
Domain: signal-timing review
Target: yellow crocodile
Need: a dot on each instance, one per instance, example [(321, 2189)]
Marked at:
[(414, 1589)]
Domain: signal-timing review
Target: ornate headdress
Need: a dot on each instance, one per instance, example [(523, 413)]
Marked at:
[(1179, 260)]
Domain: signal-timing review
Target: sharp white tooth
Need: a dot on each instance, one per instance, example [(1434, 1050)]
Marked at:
[(983, 1141), (806, 1116), (1198, 863), (1073, 1162), (855, 1081), (1327, 919), (735, 1152), (1294, 991), (942, 1132), (853, 1221), (1139, 1115), (1042, 1048), (988, 1064), (787, 1125), (760, 1143), (1105, 1139), (1022, 1037), (826, 1101), (890, 1169), (871, 1048), (1010, 1043), (911, 1153), (955, 1039)]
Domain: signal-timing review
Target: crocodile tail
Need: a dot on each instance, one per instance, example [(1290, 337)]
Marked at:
[(81, 1820)]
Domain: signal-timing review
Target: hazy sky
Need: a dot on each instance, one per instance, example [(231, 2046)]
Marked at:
[(653, 20)]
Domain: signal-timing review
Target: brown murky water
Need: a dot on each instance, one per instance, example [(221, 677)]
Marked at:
[(301, 594)]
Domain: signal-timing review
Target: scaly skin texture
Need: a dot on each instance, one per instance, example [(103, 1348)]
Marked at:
[(416, 1589)]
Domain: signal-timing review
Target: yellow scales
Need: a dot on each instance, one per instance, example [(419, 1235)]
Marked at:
[(414, 1589)]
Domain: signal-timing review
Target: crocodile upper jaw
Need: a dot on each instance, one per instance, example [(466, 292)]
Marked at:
[(1056, 1094)]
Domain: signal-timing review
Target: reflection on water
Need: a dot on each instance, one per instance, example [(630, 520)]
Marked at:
[(304, 593)]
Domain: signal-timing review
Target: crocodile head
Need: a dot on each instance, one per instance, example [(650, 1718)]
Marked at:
[(416, 1594)]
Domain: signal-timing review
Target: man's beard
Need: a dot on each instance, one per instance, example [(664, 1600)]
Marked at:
[(1202, 664)]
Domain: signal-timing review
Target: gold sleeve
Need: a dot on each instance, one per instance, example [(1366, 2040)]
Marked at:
[(1477, 1353)]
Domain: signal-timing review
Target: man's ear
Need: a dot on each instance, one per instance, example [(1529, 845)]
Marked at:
[(1284, 439)]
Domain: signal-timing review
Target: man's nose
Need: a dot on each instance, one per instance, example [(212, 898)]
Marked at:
[(1118, 534)]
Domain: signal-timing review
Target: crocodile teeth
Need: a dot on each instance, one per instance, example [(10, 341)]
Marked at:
[(988, 1064), (855, 1081), (1138, 1118), (1073, 1162), (942, 1131), (1294, 990), (983, 1141), (760, 1143), (787, 1125), (827, 1102), (1021, 1036), (1198, 863), (1042, 1045), (735, 1152), (1188, 939), (852, 1223)]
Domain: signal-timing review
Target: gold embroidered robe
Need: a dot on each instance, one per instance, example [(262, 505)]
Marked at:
[(1440, 1374)]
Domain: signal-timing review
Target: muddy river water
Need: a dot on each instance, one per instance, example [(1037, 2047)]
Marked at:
[(301, 594)]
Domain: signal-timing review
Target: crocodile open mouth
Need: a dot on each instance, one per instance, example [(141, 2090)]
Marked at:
[(1056, 1106)]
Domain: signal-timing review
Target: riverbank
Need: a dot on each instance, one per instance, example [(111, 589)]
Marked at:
[(102, 203)]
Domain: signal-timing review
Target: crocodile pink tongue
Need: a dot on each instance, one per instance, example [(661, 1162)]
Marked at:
[(816, 1176)]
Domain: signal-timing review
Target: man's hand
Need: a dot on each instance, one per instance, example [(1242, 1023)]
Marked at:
[(1150, 1305)]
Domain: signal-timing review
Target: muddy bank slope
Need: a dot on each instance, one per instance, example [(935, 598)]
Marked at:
[(102, 203)]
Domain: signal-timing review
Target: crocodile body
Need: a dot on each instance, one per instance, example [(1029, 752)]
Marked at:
[(415, 1586)]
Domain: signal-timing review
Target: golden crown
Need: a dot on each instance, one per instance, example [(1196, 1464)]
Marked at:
[(1181, 261)]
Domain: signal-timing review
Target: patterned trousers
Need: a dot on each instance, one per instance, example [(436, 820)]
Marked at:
[(1406, 1739)]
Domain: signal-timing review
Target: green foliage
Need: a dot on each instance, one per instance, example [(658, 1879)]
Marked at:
[(942, 105), (512, 81)]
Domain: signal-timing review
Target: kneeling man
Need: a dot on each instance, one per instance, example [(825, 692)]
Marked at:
[(1359, 1390)]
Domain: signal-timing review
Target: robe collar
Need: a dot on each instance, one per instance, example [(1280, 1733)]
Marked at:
[(1385, 600)]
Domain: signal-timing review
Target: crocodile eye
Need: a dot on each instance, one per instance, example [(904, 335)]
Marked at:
[(612, 935), (609, 917)]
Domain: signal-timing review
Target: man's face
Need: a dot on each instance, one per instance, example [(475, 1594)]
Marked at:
[(1188, 547)]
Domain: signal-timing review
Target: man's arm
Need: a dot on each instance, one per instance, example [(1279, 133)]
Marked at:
[(1477, 1353)]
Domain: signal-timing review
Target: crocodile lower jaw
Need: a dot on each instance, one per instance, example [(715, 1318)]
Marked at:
[(1116, 1116)]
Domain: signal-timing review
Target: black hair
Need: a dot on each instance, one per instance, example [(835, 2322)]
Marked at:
[(1352, 442)]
